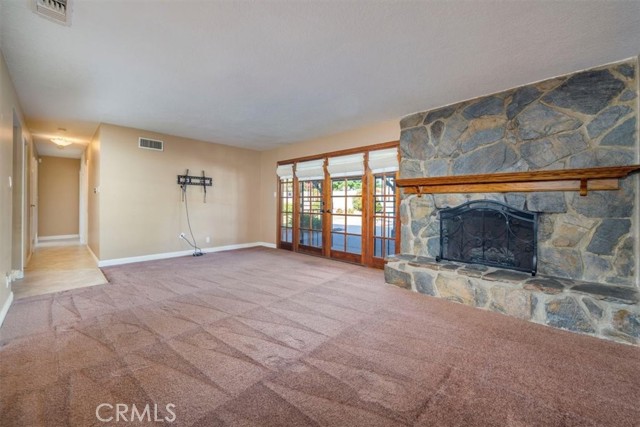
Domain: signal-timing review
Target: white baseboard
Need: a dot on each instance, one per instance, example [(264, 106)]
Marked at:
[(5, 308), (60, 237), (63, 240), (95, 258), (267, 245), (165, 255)]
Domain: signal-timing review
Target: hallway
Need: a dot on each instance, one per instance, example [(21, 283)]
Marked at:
[(58, 268)]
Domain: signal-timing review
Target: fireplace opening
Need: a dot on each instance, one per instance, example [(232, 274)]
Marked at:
[(489, 233)]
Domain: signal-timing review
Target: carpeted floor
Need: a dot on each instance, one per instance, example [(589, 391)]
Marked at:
[(261, 337)]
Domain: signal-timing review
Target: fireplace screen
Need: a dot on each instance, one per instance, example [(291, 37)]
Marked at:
[(489, 233)]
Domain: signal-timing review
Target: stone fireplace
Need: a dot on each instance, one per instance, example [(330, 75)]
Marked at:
[(587, 246)]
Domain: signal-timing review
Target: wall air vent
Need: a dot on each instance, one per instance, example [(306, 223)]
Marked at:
[(150, 144), (55, 10)]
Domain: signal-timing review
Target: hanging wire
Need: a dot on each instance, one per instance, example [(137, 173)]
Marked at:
[(196, 250)]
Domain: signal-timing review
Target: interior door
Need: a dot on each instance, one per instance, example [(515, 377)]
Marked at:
[(310, 216)]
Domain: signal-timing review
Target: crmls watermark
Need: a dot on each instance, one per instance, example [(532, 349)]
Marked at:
[(122, 412)]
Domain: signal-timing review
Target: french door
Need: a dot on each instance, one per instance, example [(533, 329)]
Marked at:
[(311, 216), (384, 238), (286, 212), (340, 206), (346, 218)]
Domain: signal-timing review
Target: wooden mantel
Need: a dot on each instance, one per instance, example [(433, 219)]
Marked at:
[(582, 180)]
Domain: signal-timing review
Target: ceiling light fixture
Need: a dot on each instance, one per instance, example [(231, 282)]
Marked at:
[(61, 142)]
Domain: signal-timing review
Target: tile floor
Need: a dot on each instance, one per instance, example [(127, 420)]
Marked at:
[(58, 268)]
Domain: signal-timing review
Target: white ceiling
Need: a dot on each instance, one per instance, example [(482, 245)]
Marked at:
[(261, 73)]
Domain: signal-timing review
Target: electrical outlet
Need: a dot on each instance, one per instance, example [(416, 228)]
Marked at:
[(207, 239), (181, 236)]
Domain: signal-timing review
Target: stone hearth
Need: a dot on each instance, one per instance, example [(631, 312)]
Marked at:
[(586, 307), (587, 245)]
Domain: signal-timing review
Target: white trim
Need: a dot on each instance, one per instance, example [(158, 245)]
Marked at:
[(95, 258), (17, 275), (60, 237), (83, 209), (267, 245), (64, 240), (5, 308), (166, 255), (57, 243)]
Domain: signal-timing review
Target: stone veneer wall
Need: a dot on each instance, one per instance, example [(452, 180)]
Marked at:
[(587, 119)]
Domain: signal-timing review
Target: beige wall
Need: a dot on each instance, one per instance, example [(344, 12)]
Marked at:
[(8, 104), (92, 157), (58, 196), (373, 134), (17, 236), (139, 202)]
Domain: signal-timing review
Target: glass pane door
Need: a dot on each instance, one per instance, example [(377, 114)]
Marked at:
[(384, 215), (346, 215), (286, 212), (310, 220)]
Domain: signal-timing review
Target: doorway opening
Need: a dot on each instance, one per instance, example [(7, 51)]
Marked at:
[(59, 199)]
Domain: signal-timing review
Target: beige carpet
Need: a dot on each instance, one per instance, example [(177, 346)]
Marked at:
[(262, 337)]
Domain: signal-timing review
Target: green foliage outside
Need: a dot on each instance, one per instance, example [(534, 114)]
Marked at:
[(357, 204), (351, 185), (306, 220)]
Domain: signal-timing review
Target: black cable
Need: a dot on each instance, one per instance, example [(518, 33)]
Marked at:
[(204, 185), (197, 251)]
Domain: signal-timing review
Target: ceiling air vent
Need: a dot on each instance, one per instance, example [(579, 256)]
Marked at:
[(150, 144), (55, 10)]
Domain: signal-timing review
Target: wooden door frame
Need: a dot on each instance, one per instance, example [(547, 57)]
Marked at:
[(372, 260), (342, 255), (311, 250), (327, 208), (296, 212), (279, 243), (366, 257), (368, 184)]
